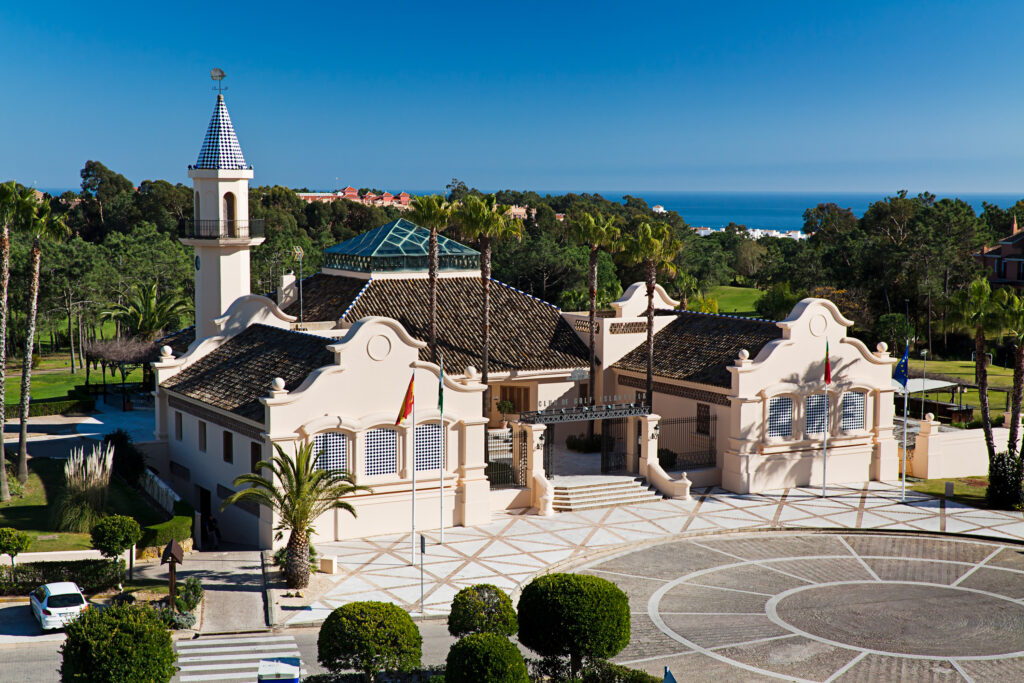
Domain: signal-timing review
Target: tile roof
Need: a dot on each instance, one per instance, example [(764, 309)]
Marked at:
[(220, 146), (698, 347), (526, 333), (239, 372), (178, 341)]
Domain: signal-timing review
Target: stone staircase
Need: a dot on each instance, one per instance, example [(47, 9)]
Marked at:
[(575, 493)]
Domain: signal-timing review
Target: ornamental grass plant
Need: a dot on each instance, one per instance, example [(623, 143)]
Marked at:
[(86, 482)]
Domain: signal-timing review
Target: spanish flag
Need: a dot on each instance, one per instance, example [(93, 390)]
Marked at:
[(406, 409), (828, 367)]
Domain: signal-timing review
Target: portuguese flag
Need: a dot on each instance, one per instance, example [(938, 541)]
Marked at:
[(828, 367), (407, 403)]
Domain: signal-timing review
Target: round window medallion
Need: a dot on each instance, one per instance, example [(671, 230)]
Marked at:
[(197, 263), (378, 347), (818, 325)]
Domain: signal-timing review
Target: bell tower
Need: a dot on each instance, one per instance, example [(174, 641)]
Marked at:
[(221, 233)]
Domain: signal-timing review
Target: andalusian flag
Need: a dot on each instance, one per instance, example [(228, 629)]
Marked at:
[(440, 388), (828, 367), (406, 410)]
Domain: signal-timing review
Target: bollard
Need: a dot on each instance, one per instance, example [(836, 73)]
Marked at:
[(949, 489)]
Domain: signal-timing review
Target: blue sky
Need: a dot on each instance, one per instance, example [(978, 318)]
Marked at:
[(787, 96)]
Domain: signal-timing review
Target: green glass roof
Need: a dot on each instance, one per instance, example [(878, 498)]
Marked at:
[(398, 246)]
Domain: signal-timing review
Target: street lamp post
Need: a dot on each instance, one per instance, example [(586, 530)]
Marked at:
[(299, 254), (924, 380)]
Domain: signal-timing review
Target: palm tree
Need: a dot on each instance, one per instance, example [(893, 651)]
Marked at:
[(434, 213), (977, 312), (654, 247), (298, 492), (146, 312), (15, 208), (595, 233), (481, 220), (687, 286), (43, 226)]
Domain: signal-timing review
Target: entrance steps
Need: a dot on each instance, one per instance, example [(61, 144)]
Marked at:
[(576, 493)]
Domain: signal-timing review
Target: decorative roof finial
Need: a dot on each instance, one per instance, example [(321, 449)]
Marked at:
[(219, 76)]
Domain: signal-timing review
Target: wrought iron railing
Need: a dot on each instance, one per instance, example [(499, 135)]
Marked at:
[(506, 459), (215, 229), (691, 440)]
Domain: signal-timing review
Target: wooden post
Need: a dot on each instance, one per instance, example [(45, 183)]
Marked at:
[(172, 555)]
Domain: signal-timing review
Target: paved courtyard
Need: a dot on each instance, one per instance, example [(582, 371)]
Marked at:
[(517, 546), (824, 606)]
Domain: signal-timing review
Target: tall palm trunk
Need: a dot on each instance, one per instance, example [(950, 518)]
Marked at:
[(651, 275), (432, 285), (5, 276), (26, 371), (296, 568), (592, 286), (1018, 394), (485, 281), (982, 371)]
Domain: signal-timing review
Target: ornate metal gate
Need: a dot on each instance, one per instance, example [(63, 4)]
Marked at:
[(613, 445), (687, 442)]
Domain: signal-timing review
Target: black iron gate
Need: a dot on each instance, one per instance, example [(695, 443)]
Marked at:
[(613, 445), (687, 442), (506, 459), (549, 451)]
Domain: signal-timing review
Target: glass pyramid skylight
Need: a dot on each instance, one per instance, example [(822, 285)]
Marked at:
[(398, 246)]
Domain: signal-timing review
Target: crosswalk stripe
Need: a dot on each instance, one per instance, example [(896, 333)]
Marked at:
[(224, 641), (236, 657), (228, 648)]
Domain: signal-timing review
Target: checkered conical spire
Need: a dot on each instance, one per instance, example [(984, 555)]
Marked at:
[(220, 146)]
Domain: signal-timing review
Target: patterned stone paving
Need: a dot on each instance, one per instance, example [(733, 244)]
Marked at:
[(813, 606), (517, 546)]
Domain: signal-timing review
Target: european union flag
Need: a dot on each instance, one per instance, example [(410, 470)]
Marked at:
[(900, 373), (669, 678)]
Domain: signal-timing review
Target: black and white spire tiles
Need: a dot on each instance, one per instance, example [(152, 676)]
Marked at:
[(220, 146)]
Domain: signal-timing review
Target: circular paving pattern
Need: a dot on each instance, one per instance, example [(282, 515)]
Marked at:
[(824, 607)]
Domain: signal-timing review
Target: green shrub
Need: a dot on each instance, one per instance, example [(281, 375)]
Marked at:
[(574, 615), (485, 657), (189, 595), (120, 644), (482, 608), (129, 462), (369, 637), (667, 458), (13, 542), (600, 671), (178, 528), (583, 444), (176, 620), (45, 407), (91, 575), (777, 302), (1004, 482), (114, 534)]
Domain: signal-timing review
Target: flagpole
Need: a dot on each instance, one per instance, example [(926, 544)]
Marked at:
[(444, 444), (824, 457), (412, 537), (906, 400)]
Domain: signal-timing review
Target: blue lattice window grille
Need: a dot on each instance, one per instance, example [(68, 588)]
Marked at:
[(381, 452), (780, 416), (816, 409), (428, 447), (853, 410), (331, 451)]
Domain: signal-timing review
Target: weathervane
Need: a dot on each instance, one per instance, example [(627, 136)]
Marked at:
[(218, 75)]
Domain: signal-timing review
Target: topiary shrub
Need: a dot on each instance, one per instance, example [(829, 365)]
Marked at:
[(13, 542), (482, 608), (369, 637), (600, 671), (120, 644), (574, 615), (485, 657), (115, 534)]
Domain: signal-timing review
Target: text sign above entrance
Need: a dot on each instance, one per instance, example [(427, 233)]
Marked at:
[(581, 413)]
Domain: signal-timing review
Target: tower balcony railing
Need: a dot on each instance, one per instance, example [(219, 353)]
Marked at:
[(215, 229)]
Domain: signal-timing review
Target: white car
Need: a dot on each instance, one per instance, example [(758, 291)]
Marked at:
[(55, 605)]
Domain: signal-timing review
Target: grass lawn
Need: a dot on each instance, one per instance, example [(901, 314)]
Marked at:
[(57, 384), (966, 490), (964, 369), (31, 512), (739, 300)]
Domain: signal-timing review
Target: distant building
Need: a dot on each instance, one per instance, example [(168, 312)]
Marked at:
[(658, 208), (520, 212), (400, 201), (754, 233), (1004, 263)]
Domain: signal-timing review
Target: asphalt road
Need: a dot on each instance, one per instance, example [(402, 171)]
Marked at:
[(40, 662)]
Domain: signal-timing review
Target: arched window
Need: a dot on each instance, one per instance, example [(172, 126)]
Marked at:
[(428, 447), (229, 213), (816, 412), (780, 416), (853, 410), (331, 451), (381, 452)]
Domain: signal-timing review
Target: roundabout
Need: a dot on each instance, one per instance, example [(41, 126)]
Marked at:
[(818, 606)]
